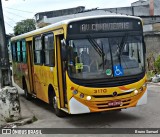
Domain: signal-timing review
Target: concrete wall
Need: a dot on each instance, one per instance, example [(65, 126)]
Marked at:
[(152, 44), (141, 10), (156, 27), (123, 10), (147, 28), (157, 7)]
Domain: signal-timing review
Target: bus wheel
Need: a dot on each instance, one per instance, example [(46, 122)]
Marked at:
[(27, 95), (58, 112), (117, 110)]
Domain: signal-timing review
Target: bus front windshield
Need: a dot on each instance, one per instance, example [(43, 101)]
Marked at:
[(96, 58)]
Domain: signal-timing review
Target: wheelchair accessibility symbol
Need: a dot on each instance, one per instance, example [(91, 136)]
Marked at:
[(118, 70)]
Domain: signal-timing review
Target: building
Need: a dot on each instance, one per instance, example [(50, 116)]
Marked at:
[(148, 10), (50, 17)]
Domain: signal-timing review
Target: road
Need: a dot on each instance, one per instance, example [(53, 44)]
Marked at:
[(146, 116)]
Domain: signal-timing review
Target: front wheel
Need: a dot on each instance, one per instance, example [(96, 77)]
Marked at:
[(58, 112)]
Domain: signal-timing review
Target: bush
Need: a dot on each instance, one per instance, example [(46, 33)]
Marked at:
[(150, 74), (157, 64)]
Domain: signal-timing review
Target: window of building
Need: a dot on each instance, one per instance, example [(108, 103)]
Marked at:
[(38, 50), (49, 55)]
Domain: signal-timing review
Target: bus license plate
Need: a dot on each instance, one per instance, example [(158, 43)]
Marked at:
[(114, 103)]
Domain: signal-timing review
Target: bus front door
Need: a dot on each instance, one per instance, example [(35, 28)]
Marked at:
[(61, 80)]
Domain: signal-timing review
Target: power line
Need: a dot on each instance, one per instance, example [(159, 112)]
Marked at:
[(9, 25), (10, 19), (15, 14), (20, 10)]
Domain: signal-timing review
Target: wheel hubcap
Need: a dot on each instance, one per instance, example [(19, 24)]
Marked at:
[(54, 102)]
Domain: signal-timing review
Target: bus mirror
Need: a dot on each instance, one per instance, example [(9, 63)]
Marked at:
[(64, 50), (144, 45)]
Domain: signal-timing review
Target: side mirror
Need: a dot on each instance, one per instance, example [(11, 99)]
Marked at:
[(144, 45), (63, 50)]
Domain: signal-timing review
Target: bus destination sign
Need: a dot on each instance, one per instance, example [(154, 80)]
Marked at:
[(104, 25), (95, 27)]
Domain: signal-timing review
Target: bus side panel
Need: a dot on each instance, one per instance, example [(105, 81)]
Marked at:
[(17, 74), (45, 78), (20, 71)]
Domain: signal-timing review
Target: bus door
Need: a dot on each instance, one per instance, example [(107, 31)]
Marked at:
[(61, 81), (30, 64)]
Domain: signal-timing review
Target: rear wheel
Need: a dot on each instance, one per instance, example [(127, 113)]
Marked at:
[(28, 96)]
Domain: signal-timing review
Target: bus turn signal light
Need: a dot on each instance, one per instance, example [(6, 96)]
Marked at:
[(75, 92)]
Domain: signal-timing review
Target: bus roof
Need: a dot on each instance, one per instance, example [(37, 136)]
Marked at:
[(49, 27)]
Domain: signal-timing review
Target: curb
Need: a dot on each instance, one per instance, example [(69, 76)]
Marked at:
[(19, 122), (151, 83)]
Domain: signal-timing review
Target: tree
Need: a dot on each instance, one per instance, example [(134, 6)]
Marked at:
[(24, 26)]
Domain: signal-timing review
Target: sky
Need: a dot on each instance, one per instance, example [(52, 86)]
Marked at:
[(17, 10)]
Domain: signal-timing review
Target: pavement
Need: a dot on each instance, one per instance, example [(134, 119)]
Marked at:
[(152, 83), (27, 115)]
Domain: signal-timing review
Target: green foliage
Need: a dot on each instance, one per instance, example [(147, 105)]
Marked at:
[(149, 75), (24, 26), (157, 64)]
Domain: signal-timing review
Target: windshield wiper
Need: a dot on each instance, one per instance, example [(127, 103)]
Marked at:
[(97, 47), (121, 47), (124, 39)]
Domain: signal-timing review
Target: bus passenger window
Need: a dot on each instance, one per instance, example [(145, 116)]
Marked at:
[(38, 51), (19, 58), (14, 51), (24, 55), (49, 50)]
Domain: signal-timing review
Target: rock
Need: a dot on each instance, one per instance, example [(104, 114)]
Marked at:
[(156, 79), (9, 104)]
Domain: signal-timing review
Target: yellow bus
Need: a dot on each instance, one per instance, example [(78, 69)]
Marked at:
[(83, 65)]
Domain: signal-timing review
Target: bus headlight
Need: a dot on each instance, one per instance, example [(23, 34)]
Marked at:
[(135, 92), (88, 98)]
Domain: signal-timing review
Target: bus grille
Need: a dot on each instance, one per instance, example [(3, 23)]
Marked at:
[(107, 96), (105, 105)]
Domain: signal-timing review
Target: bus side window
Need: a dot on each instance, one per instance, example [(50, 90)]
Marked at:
[(14, 51), (24, 55), (37, 50), (19, 54), (49, 55)]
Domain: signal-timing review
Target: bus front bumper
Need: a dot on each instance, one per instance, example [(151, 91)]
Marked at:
[(79, 106)]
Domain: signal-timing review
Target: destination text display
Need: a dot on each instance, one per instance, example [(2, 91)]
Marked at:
[(104, 25)]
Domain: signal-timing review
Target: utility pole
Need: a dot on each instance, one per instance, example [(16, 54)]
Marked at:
[(9, 99), (5, 78)]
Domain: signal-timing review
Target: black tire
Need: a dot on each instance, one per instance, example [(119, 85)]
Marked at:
[(27, 95), (117, 110), (57, 111)]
